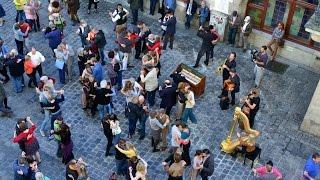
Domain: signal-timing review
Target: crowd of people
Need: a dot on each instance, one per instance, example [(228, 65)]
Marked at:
[(100, 73)]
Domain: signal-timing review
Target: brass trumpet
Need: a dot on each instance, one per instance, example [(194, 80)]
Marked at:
[(219, 69)]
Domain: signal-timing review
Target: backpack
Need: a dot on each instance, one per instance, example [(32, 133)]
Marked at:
[(59, 21)]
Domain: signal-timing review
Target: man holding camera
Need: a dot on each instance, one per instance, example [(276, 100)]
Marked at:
[(260, 61)]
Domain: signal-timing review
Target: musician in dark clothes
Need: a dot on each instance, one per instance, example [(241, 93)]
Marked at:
[(177, 77), (253, 103), (229, 64), (236, 81), (206, 46)]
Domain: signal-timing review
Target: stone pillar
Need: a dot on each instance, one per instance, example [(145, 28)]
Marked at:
[(311, 121)]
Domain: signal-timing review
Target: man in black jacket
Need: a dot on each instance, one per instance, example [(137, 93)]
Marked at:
[(16, 69), (100, 41), (177, 77), (134, 113), (208, 165), (168, 96), (236, 80), (134, 6), (170, 31), (206, 46)]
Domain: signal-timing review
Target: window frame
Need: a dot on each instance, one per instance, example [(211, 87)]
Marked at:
[(292, 6)]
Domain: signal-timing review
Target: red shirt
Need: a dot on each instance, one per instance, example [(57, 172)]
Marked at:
[(132, 38), (24, 135), (156, 47), (24, 26)]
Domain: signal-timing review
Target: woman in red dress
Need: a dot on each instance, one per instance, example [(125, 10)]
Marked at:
[(31, 143)]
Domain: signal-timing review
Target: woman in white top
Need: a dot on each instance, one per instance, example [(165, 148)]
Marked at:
[(115, 127), (141, 170), (150, 81), (130, 89), (175, 136), (197, 165)]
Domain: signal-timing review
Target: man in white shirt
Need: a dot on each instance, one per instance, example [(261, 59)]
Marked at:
[(188, 111), (36, 58), (119, 16)]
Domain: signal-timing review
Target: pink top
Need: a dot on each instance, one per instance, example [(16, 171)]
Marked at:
[(263, 170), (30, 12)]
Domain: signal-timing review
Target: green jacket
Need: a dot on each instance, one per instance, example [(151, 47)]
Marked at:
[(57, 127)]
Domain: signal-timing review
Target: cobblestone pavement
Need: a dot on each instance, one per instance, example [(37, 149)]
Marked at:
[(285, 99)]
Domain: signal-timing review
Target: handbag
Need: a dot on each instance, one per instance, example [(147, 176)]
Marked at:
[(59, 64), (281, 43)]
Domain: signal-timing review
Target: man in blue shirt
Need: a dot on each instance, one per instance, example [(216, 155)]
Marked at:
[(311, 168), (97, 71)]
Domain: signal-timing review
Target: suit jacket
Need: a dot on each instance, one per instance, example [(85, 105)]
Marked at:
[(207, 39), (168, 97), (171, 25), (208, 166)]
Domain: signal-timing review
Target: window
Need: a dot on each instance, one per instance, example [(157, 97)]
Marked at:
[(266, 14)]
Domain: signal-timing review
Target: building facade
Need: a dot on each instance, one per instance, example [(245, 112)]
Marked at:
[(265, 14)]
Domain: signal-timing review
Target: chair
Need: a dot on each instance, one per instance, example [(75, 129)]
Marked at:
[(252, 155)]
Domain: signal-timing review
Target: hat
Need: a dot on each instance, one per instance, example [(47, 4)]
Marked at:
[(103, 84)]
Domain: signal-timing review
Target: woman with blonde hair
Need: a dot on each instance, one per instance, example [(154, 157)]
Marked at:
[(141, 170), (131, 89), (129, 152)]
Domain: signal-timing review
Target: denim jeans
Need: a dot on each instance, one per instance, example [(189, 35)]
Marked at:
[(103, 109), (232, 35), (153, 4), (17, 83), (101, 55), (188, 21), (132, 126), (55, 116), (62, 75), (119, 79), (45, 120), (142, 125), (188, 114), (20, 15), (151, 95)]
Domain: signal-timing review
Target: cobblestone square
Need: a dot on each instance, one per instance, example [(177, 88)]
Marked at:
[(284, 101)]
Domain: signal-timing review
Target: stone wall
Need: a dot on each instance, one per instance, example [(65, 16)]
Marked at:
[(311, 121), (296, 53)]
